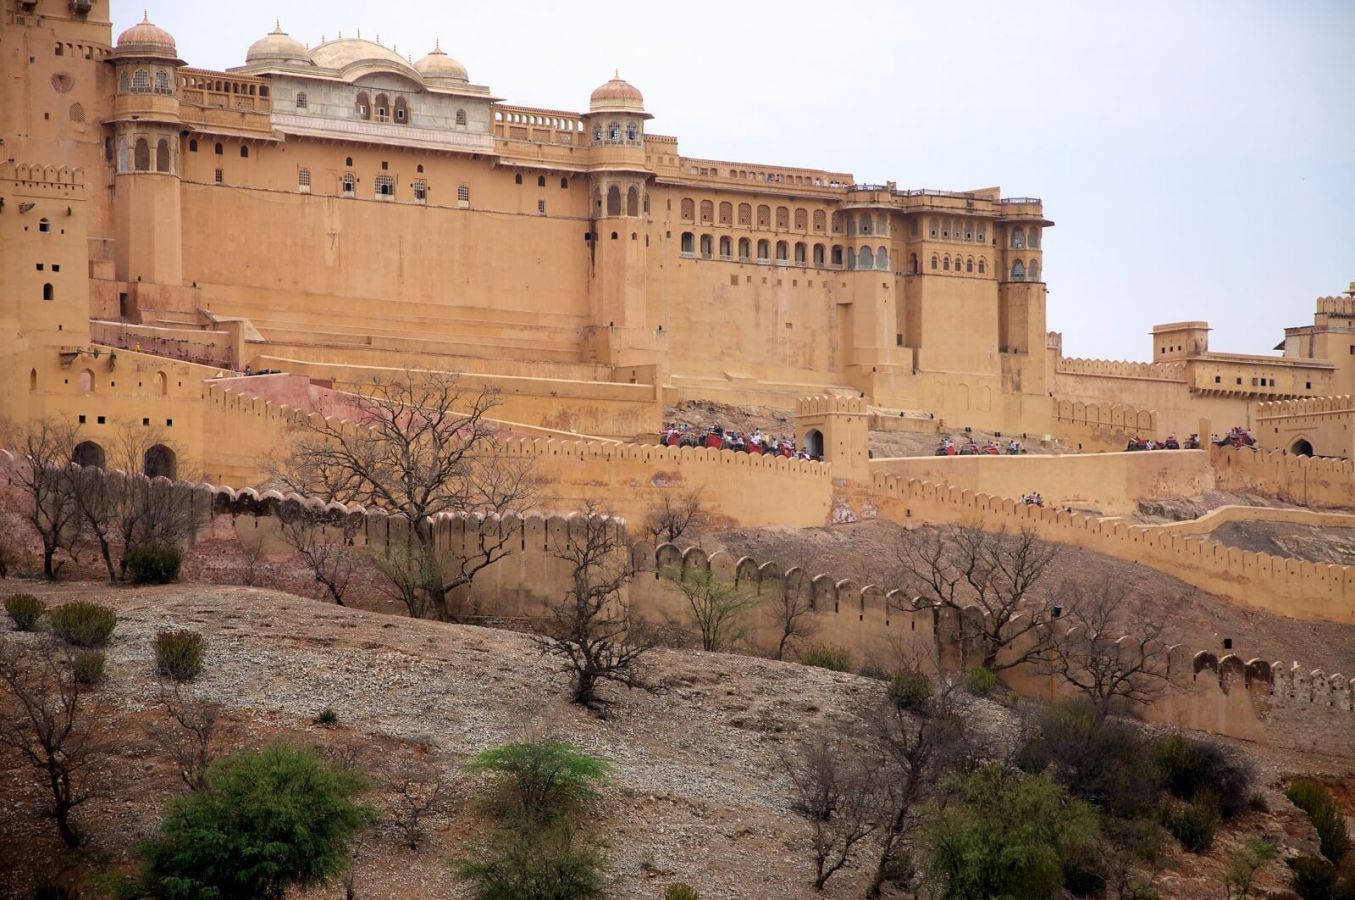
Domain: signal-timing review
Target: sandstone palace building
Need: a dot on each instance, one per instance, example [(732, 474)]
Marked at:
[(341, 210)]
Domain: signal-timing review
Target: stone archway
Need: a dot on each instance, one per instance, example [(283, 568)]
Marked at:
[(814, 443), (89, 454), (1302, 447), (160, 462)]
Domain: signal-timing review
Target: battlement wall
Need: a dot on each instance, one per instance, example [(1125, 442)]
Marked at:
[(1336, 306), (1308, 406), (1095, 427), (1290, 587), (830, 405), (1111, 368), (1309, 481), (52, 179)]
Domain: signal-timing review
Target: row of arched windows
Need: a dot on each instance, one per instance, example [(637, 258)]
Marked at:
[(942, 263), (783, 252), (1025, 271), (615, 134), (727, 214), (145, 81), (139, 158), (613, 208), (957, 230), (380, 109), (1019, 238)]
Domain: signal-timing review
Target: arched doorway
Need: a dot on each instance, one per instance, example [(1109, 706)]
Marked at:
[(89, 454), (1301, 448), (814, 443), (160, 462)]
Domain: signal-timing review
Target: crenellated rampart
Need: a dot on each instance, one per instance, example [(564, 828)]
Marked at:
[(1114, 368), (1305, 480), (1102, 426)]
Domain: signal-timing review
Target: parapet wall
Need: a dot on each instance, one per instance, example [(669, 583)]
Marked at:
[(828, 405), (1112, 368), (1101, 426), (1308, 406), (1305, 480), (1336, 306), (61, 178)]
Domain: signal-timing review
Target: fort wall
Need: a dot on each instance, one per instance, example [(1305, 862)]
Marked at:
[(1319, 426), (1307, 481), (1094, 427)]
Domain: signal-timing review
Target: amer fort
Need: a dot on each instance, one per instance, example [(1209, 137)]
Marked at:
[(226, 260)]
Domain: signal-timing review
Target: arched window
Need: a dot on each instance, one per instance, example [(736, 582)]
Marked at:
[(141, 82), (764, 250), (726, 213), (87, 381), (867, 224), (461, 117), (851, 258), (77, 112), (837, 256), (162, 82), (633, 201), (160, 462), (819, 220), (48, 292), (707, 246), (124, 82), (1033, 270), (382, 108), (688, 243), (725, 244), (945, 263), (193, 146), (613, 201), (1034, 236), (782, 251), (301, 100), (934, 262), (162, 156), (564, 183), (707, 212), (244, 151), (745, 214), (969, 264), (745, 249), (801, 219), (88, 454), (124, 158), (220, 149), (865, 259), (982, 266), (851, 226), (801, 254), (882, 259), (764, 216), (364, 105), (931, 230), (32, 379), (541, 181), (782, 218), (913, 265), (517, 179), (1018, 271), (350, 184), (614, 132), (632, 133), (1018, 239), (401, 111), (687, 209), (818, 256), (143, 155)]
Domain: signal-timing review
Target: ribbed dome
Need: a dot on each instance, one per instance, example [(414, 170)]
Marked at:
[(616, 95), (438, 64), (146, 38), (278, 47)]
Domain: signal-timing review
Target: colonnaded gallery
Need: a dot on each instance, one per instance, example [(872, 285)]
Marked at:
[(340, 211)]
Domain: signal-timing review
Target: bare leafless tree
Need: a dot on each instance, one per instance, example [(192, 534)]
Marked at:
[(331, 558), (838, 791), (1002, 575), (48, 485), (191, 743), (124, 510), (251, 556), (793, 610), (719, 608), (47, 716), (418, 795), (422, 445), (593, 629), (919, 745), (1110, 647), (9, 549), (674, 516)]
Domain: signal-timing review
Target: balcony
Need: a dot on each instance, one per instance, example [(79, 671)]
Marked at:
[(379, 133)]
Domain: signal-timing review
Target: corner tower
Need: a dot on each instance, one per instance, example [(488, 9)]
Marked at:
[(620, 212), (146, 123)]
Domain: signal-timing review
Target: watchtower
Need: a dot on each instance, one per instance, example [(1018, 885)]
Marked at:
[(835, 428)]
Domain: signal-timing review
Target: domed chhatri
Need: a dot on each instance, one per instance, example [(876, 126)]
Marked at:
[(437, 64), (146, 38), (616, 95), (278, 47)]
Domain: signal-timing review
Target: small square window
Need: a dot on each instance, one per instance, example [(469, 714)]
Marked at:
[(145, 421), (82, 420), (169, 423), (40, 267), (103, 420), (898, 340), (56, 267)]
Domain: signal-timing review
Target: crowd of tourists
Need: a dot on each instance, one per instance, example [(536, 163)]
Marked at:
[(717, 438), (1237, 436), (1171, 443), (947, 447)]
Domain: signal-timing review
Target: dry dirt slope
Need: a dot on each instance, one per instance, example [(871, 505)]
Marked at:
[(698, 793)]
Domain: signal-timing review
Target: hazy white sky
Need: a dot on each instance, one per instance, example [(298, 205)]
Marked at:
[(1198, 157)]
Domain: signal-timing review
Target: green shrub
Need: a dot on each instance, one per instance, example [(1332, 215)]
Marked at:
[(874, 672), (1313, 878), (1259, 802), (178, 654), (681, 891), (547, 865), (153, 564), (83, 623), (835, 659), (910, 690), (1190, 767), (1311, 797), (87, 667), (327, 716), (1196, 823), (266, 821), (25, 610), (980, 681), (537, 783)]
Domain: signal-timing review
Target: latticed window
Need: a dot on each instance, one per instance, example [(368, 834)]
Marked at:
[(385, 186), (461, 117), (463, 192), (141, 82), (303, 179), (162, 85), (349, 185), (421, 191), (302, 101)]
